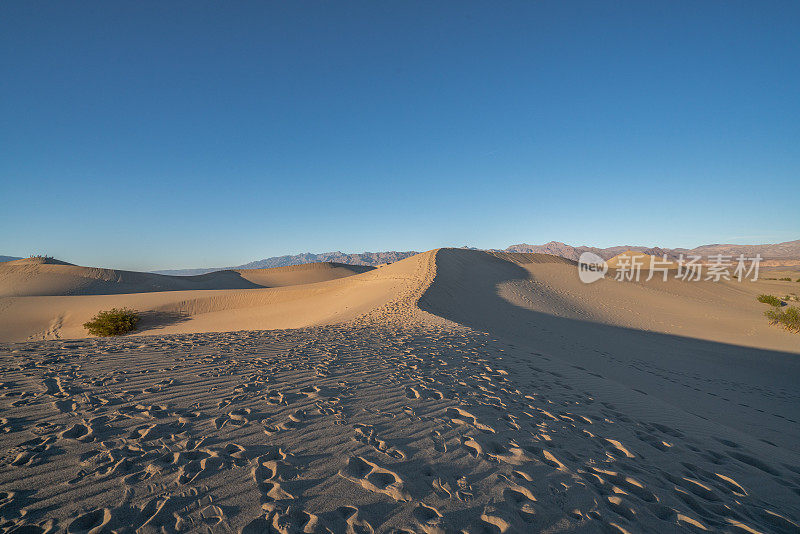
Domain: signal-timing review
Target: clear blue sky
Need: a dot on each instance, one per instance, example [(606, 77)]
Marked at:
[(151, 135)]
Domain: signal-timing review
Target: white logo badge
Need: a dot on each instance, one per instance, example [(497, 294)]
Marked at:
[(591, 267)]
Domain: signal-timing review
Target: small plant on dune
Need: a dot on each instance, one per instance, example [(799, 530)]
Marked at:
[(786, 279), (114, 322), (772, 300), (788, 318)]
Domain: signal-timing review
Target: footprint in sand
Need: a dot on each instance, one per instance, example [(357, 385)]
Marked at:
[(212, 515), (33, 452), (498, 519), (294, 420), (65, 406), (271, 470), (310, 392), (439, 442), (423, 393), (295, 520), (5, 425), (608, 482), (79, 432), (92, 522), (196, 464), (239, 417), (459, 416), (353, 522), (375, 478), (188, 417), (274, 397), (429, 519), (366, 434), (520, 499)]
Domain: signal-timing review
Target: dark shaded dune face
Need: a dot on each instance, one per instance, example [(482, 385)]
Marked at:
[(621, 331), (465, 287), (514, 291), (43, 277), (532, 257)]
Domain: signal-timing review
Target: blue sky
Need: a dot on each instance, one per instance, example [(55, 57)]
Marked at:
[(150, 135)]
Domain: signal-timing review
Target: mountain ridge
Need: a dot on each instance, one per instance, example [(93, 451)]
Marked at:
[(363, 258), (771, 251)]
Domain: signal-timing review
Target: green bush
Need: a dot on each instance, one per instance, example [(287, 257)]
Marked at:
[(789, 318), (114, 322), (787, 279), (772, 300)]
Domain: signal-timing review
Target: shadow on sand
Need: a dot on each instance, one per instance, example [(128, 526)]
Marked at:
[(733, 385), (155, 319)]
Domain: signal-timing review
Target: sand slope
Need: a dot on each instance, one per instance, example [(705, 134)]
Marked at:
[(455, 391), (305, 302), (48, 277), (642, 335), (497, 292)]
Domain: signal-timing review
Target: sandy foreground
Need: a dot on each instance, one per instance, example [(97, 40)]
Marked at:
[(452, 391)]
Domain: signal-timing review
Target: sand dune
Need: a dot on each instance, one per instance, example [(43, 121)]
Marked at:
[(454, 391), (291, 297), (48, 277), (627, 330), (468, 285), (297, 300)]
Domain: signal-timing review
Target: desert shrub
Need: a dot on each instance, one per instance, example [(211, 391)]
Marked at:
[(786, 279), (114, 322), (789, 318), (772, 300)]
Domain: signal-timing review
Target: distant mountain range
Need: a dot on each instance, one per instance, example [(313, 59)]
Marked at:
[(570, 252), (789, 250), (364, 258)]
